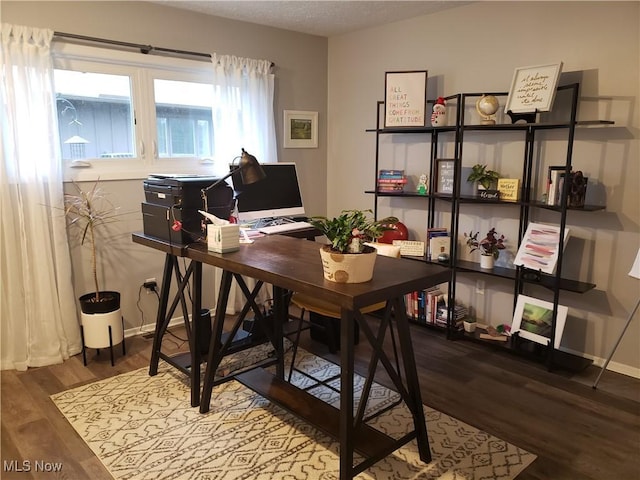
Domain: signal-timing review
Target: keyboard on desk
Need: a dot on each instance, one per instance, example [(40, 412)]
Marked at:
[(285, 227)]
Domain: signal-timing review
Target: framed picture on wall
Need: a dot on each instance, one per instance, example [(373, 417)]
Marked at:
[(405, 99), (445, 175), (533, 89), (300, 129), (533, 319)]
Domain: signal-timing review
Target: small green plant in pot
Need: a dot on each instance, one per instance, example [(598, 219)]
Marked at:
[(488, 179), (348, 234)]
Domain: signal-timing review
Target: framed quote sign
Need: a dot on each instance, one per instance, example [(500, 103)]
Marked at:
[(533, 88), (445, 171), (405, 99)]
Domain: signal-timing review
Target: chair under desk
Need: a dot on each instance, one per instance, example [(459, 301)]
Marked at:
[(289, 265)]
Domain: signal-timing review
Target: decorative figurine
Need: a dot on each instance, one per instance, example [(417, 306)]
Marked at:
[(487, 106), (422, 184), (439, 115)]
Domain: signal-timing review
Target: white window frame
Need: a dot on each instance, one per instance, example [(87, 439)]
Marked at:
[(142, 69)]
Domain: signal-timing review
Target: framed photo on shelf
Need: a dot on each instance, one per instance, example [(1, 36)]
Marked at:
[(300, 129), (533, 319), (405, 99), (445, 175), (533, 89)]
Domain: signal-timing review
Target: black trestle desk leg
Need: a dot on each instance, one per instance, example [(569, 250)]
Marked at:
[(215, 355), (346, 394), (193, 340), (281, 315), (413, 386), (162, 312)]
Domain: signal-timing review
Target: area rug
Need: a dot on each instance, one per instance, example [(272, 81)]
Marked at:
[(143, 427)]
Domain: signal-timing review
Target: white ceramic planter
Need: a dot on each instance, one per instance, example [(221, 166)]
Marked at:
[(469, 327), (348, 267), (487, 262), (95, 328)]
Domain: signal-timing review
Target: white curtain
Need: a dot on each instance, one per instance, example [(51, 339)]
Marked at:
[(242, 118), (242, 110), (38, 314)]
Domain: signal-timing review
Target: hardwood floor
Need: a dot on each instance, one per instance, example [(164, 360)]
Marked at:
[(576, 432)]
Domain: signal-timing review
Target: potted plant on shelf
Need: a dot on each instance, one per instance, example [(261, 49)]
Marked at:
[(485, 178), (469, 324), (489, 246), (101, 321), (347, 259)]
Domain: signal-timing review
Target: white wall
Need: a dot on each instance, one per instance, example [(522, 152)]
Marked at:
[(475, 48)]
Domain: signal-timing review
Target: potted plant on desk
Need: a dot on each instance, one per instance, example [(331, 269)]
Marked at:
[(347, 259), (489, 247)]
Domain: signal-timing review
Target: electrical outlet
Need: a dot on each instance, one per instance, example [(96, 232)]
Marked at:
[(150, 284), (480, 287)]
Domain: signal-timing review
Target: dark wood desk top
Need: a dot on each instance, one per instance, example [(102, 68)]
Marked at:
[(295, 265)]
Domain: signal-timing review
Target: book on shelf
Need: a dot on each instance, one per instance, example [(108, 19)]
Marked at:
[(434, 233), (421, 306), (509, 189), (385, 173), (438, 245), (392, 181), (554, 173)]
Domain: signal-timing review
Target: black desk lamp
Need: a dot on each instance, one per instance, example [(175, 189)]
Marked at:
[(250, 171)]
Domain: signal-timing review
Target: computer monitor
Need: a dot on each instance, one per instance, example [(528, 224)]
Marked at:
[(278, 195)]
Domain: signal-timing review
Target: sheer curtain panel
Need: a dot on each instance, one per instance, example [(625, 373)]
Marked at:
[(242, 110), (38, 316)]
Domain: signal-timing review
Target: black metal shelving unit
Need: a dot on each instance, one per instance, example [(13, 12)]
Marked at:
[(526, 205)]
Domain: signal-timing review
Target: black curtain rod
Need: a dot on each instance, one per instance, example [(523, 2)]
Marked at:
[(146, 49)]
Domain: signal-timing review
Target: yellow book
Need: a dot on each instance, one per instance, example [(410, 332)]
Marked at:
[(509, 189)]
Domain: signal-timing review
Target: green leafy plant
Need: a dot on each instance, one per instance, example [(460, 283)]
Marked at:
[(486, 178), (89, 211), (490, 245), (349, 231)]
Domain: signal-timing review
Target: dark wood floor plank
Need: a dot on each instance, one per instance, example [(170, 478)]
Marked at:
[(576, 431)]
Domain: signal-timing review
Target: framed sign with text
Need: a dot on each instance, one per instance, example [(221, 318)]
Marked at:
[(533, 89), (445, 175), (405, 99)]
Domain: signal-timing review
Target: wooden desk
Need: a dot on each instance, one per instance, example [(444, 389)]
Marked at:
[(294, 265)]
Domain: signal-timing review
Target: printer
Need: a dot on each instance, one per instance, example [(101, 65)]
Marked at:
[(170, 198)]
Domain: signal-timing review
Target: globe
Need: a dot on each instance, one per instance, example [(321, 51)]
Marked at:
[(487, 106)]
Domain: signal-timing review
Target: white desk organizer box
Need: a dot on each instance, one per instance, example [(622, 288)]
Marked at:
[(223, 238)]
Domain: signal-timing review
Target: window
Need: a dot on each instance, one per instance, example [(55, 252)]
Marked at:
[(127, 115), (183, 118), (95, 116)]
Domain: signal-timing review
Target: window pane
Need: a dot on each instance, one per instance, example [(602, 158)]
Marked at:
[(183, 117), (95, 117)]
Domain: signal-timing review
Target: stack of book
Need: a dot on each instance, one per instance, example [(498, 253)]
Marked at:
[(460, 312), (392, 181)]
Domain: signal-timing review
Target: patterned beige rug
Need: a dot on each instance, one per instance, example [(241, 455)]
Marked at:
[(143, 427)]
